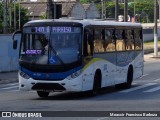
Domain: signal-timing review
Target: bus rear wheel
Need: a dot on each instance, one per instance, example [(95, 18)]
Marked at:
[(128, 83), (42, 93)]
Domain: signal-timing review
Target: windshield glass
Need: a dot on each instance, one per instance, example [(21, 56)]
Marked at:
[(51, 45)]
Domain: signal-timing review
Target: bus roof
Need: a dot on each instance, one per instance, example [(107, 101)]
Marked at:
[(85, 22)]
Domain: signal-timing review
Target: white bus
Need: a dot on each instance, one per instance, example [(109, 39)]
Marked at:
[(78, 55)]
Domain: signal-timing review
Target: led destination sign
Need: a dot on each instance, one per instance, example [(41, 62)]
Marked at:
[(57, 29)]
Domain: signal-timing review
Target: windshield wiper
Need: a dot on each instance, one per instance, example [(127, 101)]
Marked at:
[(53, 50)]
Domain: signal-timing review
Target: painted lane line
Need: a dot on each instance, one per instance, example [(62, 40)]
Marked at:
[(157, 80), (10, 87), (11, 84), (153, 89), (134, 83), (13, 91), (137, 88), (145, 75)]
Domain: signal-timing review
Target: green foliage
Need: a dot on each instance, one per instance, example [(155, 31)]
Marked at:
[(43, 16), (23, 15), (144, 8), (1, 17)]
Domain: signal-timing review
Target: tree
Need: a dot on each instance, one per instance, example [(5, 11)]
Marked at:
[(143, 8), (1, 17), (23, 15)]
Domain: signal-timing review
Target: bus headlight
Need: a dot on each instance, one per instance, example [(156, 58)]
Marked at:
[(24, 75), (74, 75)]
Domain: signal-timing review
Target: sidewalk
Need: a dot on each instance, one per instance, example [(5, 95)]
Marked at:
[(150, 57), (10, 77)]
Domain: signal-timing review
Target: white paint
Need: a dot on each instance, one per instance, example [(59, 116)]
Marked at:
[(137, 88), (153, 89)]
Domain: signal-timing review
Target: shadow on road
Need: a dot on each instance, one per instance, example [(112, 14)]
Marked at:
[(82, 95)]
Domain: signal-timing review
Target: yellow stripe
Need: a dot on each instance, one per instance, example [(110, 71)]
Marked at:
[(91, 62)]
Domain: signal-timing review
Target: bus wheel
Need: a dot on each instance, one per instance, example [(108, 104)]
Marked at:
[(96, 84), (127, 84), (42, 93)]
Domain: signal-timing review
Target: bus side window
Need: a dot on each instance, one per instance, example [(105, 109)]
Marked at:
[(109, 42), (120, 41), (138, 39), (98, 40), (129, 40), (88, 43)]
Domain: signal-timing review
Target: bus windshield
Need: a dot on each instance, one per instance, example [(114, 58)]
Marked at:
[(51, 45)]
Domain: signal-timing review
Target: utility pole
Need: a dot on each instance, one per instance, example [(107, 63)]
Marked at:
[(102, 9), (10, 15), (15, 15), (4, 16), (54, 9), (116, 10), (19, 15), (134, 9), (155, 30), (49, 9), (126, 11)]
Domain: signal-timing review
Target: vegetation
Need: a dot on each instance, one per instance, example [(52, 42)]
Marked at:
[(23, 15), (150, 44), (144, 9)]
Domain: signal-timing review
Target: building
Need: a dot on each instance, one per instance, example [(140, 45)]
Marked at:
[(91, 11), (68, 8)]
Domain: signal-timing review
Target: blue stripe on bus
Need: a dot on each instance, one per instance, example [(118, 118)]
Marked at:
[(50, 76)]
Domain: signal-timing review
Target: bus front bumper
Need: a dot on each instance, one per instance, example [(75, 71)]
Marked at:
[(63, 85)]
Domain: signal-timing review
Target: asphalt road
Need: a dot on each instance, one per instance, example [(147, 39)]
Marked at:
[(143, 96)]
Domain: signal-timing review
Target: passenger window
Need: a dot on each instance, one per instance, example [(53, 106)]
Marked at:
[(98, 41), (120, 41), (109, 42), (138, 39), (129, 40)]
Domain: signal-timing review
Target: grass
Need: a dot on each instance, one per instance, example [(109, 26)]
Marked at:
[(150, 44)]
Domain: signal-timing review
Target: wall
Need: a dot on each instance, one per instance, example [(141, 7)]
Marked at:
[(8, 56), (149, 36)]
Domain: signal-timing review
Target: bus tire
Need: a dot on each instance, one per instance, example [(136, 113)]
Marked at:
[(97, 83), (128, 83), (42, 93)]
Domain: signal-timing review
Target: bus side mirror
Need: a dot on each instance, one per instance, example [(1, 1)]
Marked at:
[(15, 42)]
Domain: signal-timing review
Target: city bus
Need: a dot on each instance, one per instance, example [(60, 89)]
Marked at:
[(78, 55)]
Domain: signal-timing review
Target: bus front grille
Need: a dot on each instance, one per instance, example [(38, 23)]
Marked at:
[(48, 86)]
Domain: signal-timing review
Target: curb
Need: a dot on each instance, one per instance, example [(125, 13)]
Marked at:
[(148, 51)]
